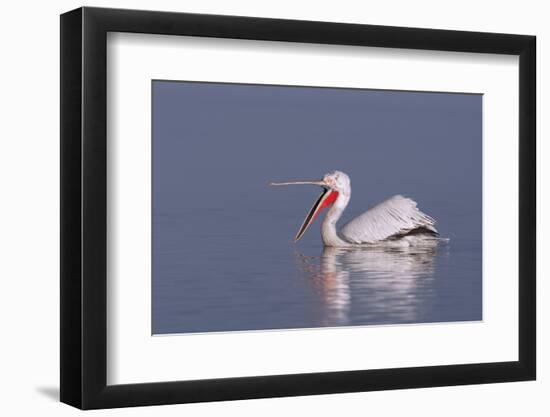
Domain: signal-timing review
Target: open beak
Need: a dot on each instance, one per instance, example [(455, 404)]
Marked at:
[(326, 198)]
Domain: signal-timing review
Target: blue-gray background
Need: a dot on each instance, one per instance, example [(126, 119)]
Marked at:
[(223, 256)]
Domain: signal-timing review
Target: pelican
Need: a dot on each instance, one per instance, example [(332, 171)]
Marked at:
[(396, 221)]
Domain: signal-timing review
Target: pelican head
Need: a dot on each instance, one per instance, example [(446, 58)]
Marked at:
[(337, 181), (333, 184)]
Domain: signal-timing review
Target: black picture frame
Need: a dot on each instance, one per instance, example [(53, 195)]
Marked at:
[(84, 207)]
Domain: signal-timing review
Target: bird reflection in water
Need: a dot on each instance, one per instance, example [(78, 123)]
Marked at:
[(374, 285)]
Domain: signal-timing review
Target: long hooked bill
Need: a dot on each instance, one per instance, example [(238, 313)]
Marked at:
[(327, 198), (321, 183)]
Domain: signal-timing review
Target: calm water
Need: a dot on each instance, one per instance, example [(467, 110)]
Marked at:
[(223, 256), (220, 280)]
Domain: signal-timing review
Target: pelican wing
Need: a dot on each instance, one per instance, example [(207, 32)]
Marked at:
[(395, 216)]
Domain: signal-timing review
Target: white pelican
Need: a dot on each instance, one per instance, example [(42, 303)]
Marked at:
[(396, 220)]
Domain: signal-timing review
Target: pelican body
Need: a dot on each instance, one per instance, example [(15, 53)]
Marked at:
[(395, 221)]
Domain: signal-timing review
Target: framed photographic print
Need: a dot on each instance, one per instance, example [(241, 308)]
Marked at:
[(212, 247)]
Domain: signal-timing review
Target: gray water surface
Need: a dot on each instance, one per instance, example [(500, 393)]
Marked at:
[(209, 284), (223, 255)]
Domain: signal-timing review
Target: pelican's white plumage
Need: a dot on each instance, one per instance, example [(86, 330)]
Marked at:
[(396, 219), (393, 217)]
